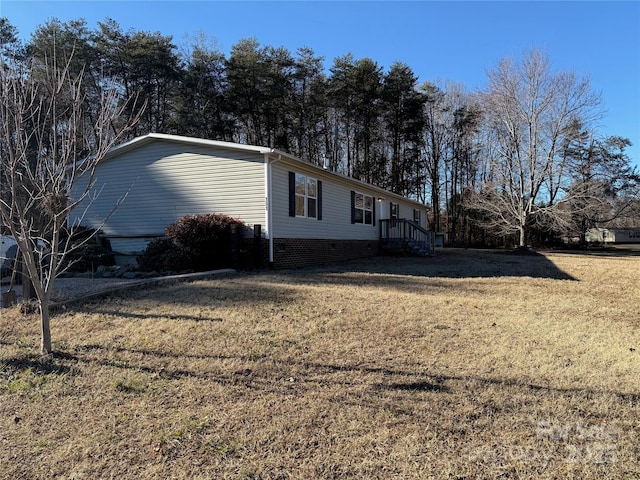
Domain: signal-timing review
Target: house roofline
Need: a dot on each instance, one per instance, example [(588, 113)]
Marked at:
[(148, 138)]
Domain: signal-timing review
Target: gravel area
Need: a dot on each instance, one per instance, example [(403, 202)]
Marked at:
[(66, 289), (72, 289), (69, 289)]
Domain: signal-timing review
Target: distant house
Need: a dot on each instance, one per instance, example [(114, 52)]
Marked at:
[(307, 214), (613, 235)]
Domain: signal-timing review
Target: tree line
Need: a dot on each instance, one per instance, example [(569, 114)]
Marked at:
[(519, 162)]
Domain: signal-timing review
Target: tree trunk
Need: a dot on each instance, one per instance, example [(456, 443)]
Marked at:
[(522, 235), (45, 345), (28, 292)]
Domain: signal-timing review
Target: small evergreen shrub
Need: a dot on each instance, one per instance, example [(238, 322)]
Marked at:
[(194, 242)]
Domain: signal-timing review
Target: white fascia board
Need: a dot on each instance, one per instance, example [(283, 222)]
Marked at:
[(150, 137)]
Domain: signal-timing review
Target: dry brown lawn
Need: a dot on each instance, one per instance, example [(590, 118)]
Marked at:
[(470, 365)]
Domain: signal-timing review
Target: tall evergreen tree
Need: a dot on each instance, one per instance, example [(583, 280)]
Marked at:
[(146, 67), (69, 46), (202, 108), (356, 91), (403, 111), (369, 162), (278, 100), (308, 107), (245, 71), (9, 42), (342, 93), (462, 164)]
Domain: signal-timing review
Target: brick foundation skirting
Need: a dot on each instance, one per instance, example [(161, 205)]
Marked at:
[(301, 252)]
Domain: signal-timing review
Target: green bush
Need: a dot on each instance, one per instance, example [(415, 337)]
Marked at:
[(195, 242)]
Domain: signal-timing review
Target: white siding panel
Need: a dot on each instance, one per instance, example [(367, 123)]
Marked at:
[(163, 181), (405, 210), (336, 212)]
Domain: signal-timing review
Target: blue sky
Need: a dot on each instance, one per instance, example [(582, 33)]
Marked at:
[(440, 41)]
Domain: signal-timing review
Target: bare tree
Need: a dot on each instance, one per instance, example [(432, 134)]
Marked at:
[(436, 140), (48, 141), (532, 114)]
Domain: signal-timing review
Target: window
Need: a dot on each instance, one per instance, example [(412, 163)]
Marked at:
[(305, 196), (362, 209), (395, 209), (416, 216)]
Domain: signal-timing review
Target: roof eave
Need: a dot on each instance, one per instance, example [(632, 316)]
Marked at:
[(345, 179), (142, 140)]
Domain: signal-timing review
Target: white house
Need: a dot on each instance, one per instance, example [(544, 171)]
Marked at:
[(307, 214), (613, 235)]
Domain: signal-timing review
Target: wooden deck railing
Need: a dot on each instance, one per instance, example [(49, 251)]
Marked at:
[(403, 234)]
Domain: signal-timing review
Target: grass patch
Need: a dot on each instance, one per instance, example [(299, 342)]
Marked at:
[(467, 365), (132, 385)]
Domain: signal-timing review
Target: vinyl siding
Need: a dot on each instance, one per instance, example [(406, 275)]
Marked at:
[(163, 181), (336, 210)]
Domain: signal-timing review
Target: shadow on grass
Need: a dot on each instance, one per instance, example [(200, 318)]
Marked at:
[(419, 386), (629, 250), (243, 289), (396, 272), (151, 353), (275, 378), (414, 383), (409, 273), (143, 316), (49, 365)]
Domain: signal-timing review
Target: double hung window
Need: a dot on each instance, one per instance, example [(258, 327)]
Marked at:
[(363, 210), (305, 196), (394, 211)]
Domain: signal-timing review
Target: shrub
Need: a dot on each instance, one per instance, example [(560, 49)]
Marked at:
[(87, 258), (88, 251), (162, 255), (194, 242)]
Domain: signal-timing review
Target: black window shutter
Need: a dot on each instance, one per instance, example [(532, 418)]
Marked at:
[(292, 194), (373, 210), (319, 206), (353, 206)]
